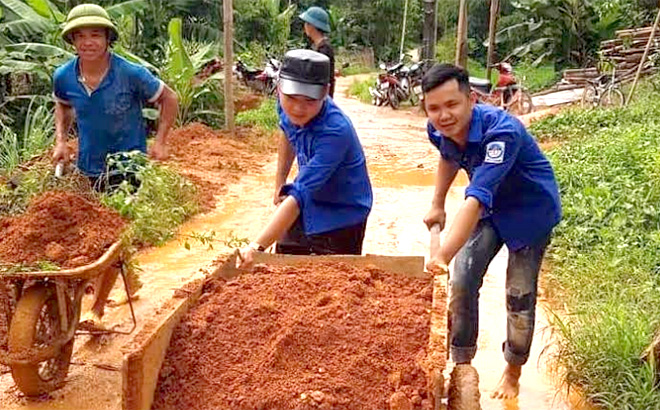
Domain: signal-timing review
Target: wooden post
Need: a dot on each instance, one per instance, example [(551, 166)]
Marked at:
[(228, 19), (646, 53), (403, 29), (430, 29), (461, 36), (492, 29)]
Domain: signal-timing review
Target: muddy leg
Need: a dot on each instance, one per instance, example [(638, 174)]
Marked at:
[(509, 385), (466, 280), (521, 290)]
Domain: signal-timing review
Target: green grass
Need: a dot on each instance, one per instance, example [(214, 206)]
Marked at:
[(534, 78), (605, 257), (158, 207), (360, 89), (264, 116), (357, 69)]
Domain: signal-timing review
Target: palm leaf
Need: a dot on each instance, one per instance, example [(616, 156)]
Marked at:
[(39, 50), (27, 27), (135, 58), (21, 9), (46, 9), (127, 8), (179, 64)]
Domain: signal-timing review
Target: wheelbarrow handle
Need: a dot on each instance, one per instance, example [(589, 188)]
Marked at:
[(435, 239)]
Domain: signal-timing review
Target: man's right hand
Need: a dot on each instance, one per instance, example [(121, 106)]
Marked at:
[(61, 153), (435, 216), (277, 198)]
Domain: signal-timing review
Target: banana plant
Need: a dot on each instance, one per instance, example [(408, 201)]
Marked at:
[(41, 19), (196, 98)]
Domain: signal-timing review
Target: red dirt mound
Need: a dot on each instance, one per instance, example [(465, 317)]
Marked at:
[(61, 227), (320, 336), (212, 159)]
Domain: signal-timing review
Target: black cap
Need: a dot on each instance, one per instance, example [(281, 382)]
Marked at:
[(304, 72)]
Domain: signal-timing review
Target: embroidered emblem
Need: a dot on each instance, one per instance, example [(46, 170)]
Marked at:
[(495, 152)]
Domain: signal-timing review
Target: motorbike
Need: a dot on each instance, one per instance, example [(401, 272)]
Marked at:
[(507, 93), (260, 80), (397, 84), (392, 86)]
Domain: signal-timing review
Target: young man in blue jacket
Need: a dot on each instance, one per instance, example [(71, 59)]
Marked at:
[(325, 209), (512, 200)]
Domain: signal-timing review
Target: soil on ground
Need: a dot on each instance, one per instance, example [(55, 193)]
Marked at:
[(212, 159), (318, 336), (60, 227)]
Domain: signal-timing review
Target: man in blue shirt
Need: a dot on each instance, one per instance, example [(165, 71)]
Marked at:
[(512, 199), (325, 209), (106, 95)]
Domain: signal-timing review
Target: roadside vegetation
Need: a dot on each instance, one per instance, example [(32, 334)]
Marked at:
[(603, 263), (263, 117)]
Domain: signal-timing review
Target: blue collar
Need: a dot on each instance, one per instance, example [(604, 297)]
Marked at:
[(108, 76), (475, 133)]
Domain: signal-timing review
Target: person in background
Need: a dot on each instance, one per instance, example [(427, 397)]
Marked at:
[(317, 27)]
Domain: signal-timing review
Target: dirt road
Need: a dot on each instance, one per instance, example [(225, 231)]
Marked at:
[(402, 165)]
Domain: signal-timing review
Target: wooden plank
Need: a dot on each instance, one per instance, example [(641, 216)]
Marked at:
[(144, 356)]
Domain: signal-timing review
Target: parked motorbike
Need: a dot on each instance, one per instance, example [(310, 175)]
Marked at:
[(507, 93), (260, 80), (397, 84), (392, 86)]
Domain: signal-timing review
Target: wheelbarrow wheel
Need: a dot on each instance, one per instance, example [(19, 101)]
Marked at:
[(36, 324), (463, 392)]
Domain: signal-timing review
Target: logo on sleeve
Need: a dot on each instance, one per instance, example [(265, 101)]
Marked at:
[(495, 152)]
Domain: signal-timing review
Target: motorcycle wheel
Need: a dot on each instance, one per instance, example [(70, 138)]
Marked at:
[(393, 98)]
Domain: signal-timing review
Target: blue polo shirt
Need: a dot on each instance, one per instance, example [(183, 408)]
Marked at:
[(509, 175), (332, 187), (109, 118)]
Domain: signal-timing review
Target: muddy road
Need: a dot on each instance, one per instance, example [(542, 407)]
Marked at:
[(402, 165)]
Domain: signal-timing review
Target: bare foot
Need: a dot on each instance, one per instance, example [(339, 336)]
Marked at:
[(91, 321), (509, 386)]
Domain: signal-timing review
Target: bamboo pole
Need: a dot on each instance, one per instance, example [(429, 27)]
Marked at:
[(228, 20), (461, 36), (492, 28), (646, 53)]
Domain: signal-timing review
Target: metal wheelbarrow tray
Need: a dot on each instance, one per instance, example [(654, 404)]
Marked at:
[(41, 312)]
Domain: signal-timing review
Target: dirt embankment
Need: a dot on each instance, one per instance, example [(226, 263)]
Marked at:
[(213, 159), (60, 227), (322, 336)]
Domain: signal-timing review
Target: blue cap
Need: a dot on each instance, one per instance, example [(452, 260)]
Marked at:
[(318, 18)]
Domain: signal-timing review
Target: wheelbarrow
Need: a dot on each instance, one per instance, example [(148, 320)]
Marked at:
[(42, 314)]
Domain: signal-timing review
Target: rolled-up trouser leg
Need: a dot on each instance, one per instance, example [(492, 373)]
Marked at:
[(470, 267), (521, 290)]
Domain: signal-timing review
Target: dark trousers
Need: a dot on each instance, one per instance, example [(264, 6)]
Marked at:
[(521, 288), (344, 241)]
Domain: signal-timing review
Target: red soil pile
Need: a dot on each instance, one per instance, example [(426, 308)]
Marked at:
[(213, 159), (61, 227), (319, 336)]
